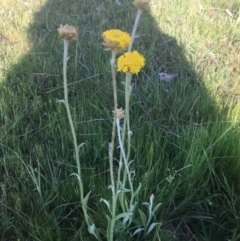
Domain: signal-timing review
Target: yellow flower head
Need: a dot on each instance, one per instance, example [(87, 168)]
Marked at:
[(67, 32), (130, 62), (142, 4), (116, 40)]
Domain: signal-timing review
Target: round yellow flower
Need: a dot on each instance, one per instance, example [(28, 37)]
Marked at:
[(130, 62), (116, 40)]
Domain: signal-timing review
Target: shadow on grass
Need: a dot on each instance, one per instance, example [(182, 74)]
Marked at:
[(181, 146)]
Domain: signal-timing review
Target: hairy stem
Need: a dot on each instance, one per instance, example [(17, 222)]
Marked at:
[(133, 35), (127, 126), (111, 146), (80, 182)]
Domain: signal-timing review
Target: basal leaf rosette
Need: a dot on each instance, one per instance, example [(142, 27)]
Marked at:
[(130, 62), (67, 32), (142, 4), (116, 40)]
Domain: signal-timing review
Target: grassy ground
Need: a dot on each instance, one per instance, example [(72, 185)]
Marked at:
[(185, 144)]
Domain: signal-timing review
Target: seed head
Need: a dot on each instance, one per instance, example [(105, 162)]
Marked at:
[(67, 32), (142, 4)]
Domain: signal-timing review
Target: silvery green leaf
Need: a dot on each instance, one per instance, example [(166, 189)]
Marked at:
[(85, 200), (129, 218), (119, 191), (106, 202), (151, 227), (91, 229), (126, 204), (132, 207), (120, 184), (61, 101), (102, 231), (75, 174), (138, 230), (120, 164), (126, 190), (156, 207), (130, 162), (122, 204), (108, 227), (123, 190), (143, 217), (146, 204), (82, 144), (122, 215), (138, 190), (126, 219)]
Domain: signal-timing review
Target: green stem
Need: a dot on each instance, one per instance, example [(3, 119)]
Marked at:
[(111, 145), (125, 160), (127, 125), (133, 35), (80, 182)]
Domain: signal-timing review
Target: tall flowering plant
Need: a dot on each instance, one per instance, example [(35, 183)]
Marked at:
[(129, 63), (123, 206)]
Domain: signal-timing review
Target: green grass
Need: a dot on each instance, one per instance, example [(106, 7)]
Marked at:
[(185, 143)]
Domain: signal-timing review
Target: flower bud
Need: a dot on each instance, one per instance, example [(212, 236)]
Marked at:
[(142, 4), (67, 32), (120, 113)]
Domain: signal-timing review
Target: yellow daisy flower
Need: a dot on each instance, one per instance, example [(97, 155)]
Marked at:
[(116, 40), (130, 62)]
